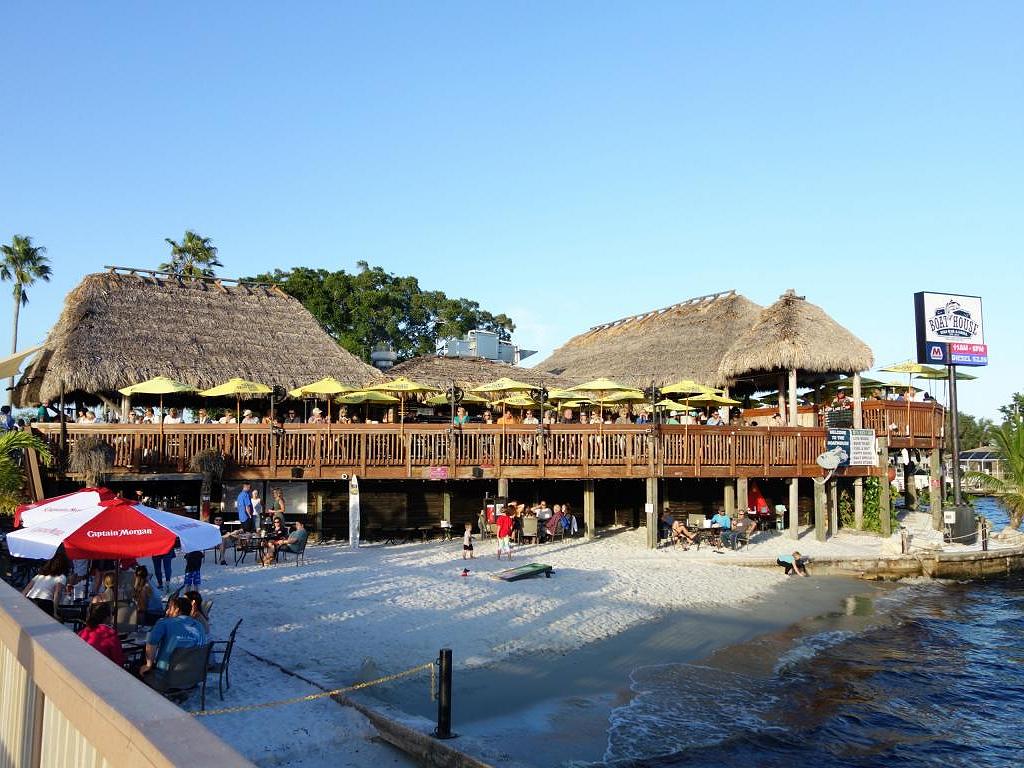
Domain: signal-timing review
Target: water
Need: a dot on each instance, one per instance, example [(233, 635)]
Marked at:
[(931, 675)]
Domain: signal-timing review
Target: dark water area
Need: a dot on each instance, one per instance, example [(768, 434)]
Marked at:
[(934, 676)]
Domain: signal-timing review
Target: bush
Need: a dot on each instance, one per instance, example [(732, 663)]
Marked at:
[(872, 502)]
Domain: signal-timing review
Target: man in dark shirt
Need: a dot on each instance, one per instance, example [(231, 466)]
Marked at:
[(295, 542)]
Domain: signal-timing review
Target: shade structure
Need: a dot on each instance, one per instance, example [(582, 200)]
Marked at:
[(41, 511), (237, 387), (402, 387), (363, 396), (10, 365), (686, 387), (628, 396), (711, 398), (504, 384), (325, 386), (158, 385), (562, 394), (940, 374), (601, 388), (467, 397), (673, 405), (521, 401), (113, 529)]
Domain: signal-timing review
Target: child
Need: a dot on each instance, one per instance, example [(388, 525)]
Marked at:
[(193, 562), (467, 542), (504, 533)]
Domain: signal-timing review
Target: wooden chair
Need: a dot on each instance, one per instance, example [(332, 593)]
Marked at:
[(220, 658), (185, 673)]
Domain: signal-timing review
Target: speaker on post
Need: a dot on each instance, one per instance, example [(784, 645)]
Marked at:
[(478, 473), (297, 471)]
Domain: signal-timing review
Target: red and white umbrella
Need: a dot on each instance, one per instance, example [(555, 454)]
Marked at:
[(113, 529), (41, 511)]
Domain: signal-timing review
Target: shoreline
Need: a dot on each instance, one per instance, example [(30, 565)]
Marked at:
[(554, 708)]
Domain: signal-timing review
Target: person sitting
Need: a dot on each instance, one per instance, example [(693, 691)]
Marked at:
[(294, 542), (100, 635), (554, 523), (109, 590), (682, 535), (742, 528), (176, 630), (794, 564), (530, 418), (292, 417), (148, 605), (841, 400), (202, 417), (172, 417), (248, 417), (665, 522), (47, 586), (723, 524), (197, 612), (316, 416)]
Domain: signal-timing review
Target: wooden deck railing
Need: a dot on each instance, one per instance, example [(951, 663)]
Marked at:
[(438, 451)]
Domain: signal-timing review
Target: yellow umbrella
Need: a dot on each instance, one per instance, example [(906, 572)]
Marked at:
[(158, 385), (402, 386), (365, 396), (673, 405), (504, 384), (467, 397), (325, 386), (711, 398), (634, 396), (687, 387), (237, 387), (601, 388)]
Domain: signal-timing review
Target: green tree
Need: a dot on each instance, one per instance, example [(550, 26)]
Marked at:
[(974, 431), (1009, 489), (11, 479), (194, 256), (371, 306), (1015, 407), (22, 264)]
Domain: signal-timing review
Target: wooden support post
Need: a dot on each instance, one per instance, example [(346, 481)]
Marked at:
[(781, 400), (446, 505), (936, 489), (741, 493), (794, 514), (884, 499), (651, 512), (502, 487), (909, 487), (320, 514), (858, 503), (729, 498), (833, 508), (820, 511), (589, 509), (793, 413)]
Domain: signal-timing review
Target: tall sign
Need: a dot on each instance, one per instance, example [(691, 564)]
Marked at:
[(950, 329)]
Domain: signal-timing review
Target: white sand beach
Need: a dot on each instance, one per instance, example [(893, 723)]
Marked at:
[(349, 615)]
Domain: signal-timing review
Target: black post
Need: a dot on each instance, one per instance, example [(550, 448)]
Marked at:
[(444, 697)]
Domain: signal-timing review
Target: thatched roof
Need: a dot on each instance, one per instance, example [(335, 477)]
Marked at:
[(470, 372), (794, 334), (684, 341), (118, 329)]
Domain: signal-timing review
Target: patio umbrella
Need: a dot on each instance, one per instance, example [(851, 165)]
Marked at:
[(158, 385), (687, 387), (10, 365), (601, 388), (467, 397), (402, 386), (504, 384), (365, 397), (237, 387), (41, 511), (673, 405), (326, 386), (113, 529), (711, 398)]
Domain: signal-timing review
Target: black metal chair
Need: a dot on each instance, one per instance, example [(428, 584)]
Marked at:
[(220, 658), (185, 672), (300, 556)]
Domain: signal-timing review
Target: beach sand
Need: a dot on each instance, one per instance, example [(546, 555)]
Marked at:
[(525, 652)]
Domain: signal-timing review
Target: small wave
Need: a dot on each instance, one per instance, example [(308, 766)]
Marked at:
[(809, 647)]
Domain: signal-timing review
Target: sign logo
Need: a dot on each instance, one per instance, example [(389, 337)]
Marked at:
[(953, 320), (936, 353)]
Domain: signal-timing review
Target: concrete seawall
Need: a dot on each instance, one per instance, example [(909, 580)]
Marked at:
[(938, 565)]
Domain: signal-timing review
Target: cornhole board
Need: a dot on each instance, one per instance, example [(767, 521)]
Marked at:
[(527, 571)]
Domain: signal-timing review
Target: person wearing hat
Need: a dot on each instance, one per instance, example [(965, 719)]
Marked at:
[(248, 417), (316, 416), (672, 418)]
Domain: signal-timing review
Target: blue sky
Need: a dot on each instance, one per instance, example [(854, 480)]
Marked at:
[(566, 163)]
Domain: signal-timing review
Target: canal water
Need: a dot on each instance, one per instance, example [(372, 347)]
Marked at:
[(921, 674)]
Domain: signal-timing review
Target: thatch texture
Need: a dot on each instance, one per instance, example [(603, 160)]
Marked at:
[(684, 341), (118, 329), (794, 334), (470, 372)]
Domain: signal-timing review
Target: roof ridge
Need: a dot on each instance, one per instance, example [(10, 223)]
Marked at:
[(707, 298)]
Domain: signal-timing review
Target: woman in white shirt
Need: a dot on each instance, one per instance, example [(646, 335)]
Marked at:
[(47, 586), (257, 507)]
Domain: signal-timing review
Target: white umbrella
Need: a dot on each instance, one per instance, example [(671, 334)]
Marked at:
[(41, 511)]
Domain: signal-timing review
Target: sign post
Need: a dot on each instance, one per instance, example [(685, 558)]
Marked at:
[(950, 332)]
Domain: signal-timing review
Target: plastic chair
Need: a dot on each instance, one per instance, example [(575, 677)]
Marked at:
[(218, 664)]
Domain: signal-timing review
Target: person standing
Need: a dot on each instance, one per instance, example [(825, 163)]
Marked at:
[(47, 586), (243, 505), (6, 419), (162, 569), (504, 523), (467, 543), (257, 507)]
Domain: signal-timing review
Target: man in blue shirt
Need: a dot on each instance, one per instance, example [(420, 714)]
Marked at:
[(7, 422), (243, 505), (723, 524), (176, 630)]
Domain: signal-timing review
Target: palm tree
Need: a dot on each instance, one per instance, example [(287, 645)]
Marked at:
[(1009, 489), (22, 264), (11, 476), (194, 256)]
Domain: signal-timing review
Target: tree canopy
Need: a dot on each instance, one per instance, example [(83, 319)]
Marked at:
[(370, 306), (194, 256)]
